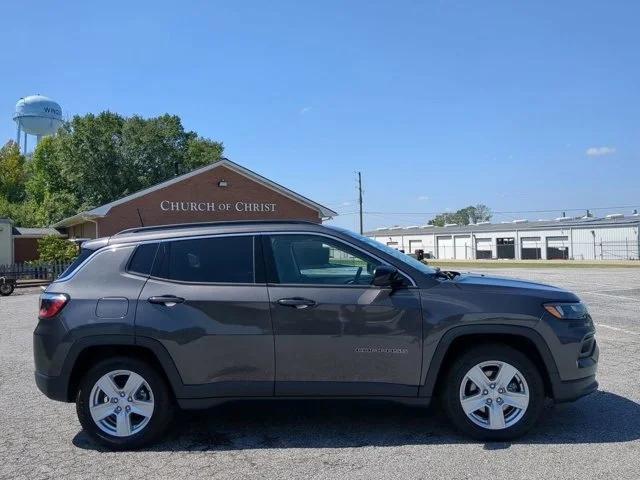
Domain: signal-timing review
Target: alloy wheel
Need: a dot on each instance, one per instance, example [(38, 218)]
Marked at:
[(494, 395), (121, 403)]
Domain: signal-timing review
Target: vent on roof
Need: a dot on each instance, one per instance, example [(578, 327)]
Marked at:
[(412, 226), (395, 227), (381, 228), (483, 223), (450, 224), (614, 215), (562, 219), (520, 220), (426, 226)]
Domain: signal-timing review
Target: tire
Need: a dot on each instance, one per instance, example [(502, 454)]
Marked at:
[(482, 423), (153, 398), (6, 289)]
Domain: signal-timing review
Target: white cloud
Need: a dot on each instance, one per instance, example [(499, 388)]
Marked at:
[(346, 204), (600, 151), (423, 198), (304, 110)]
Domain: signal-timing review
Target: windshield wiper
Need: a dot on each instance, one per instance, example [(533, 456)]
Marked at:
[(446, 274)]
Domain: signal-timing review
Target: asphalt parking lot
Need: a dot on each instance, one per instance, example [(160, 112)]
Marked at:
[(596, 437)]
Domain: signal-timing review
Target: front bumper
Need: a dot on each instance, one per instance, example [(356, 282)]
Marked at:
[(574, 389)]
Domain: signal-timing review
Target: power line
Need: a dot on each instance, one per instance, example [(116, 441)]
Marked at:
[(506, 212)]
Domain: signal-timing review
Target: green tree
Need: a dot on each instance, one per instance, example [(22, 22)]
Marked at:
[(201, 152), (90, 157), (54, 207), (12, 172), (96, 159), (56, 249), (46, 170), (464, 216), (23, 214)]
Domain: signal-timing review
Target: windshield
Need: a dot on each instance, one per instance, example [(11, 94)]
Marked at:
[(403, 257)]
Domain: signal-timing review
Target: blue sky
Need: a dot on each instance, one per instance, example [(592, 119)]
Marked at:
[(522, 105)]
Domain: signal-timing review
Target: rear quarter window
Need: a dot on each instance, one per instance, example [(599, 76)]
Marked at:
[(142, 259), (82, 256)]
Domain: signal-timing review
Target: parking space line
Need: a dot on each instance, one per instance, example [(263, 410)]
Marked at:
[(602, 325), (619, 297)]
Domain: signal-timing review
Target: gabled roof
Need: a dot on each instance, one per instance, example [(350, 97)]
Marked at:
[(26, 232), (103, 210)]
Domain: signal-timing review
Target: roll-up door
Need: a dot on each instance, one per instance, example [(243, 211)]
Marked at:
[(531, 248), (462, 247), (558, 248), (445, 247), (414, 245), (483, 248)]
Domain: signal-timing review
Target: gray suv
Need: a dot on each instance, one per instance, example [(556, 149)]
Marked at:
[(193, 315)]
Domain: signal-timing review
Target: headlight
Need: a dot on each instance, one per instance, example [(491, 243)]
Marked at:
[(567, 311)]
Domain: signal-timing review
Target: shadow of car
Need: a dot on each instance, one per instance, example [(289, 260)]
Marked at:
[(602, 417)]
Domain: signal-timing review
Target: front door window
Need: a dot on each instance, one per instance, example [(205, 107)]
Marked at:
[(315, 260)]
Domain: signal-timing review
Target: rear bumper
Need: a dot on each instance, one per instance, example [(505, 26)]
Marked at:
[(54, 387)]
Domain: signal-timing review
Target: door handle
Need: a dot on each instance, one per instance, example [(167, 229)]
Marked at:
[(166, 300), (297, 302)]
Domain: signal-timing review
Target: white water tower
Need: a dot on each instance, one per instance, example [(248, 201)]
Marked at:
[(37, 115)]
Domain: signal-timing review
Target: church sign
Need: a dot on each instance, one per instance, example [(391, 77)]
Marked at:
[(171, 206)]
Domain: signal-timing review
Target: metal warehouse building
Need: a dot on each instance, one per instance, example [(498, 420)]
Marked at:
[(614, 237)]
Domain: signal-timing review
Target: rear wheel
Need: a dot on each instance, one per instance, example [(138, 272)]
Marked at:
[(493, 392), (124, 403)]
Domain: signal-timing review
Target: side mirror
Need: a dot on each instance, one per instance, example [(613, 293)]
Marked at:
[(386, 276)]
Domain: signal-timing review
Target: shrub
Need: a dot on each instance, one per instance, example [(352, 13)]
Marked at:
[(53, 249)]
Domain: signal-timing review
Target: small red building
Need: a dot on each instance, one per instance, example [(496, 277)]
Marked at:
[(221, 191)]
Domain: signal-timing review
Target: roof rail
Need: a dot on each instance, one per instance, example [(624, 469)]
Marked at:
[(176, 226)]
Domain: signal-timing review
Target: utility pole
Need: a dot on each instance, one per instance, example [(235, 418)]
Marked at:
[(360, 198)]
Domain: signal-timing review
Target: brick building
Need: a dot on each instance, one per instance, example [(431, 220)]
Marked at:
[(20, 244), (220, 191)]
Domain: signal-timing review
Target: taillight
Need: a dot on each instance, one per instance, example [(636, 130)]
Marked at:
[(51, 304)]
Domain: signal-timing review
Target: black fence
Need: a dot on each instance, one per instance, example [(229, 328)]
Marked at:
[(48, 271)]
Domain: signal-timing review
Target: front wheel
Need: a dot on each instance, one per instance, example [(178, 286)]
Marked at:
[(123, 403), (493, 392)]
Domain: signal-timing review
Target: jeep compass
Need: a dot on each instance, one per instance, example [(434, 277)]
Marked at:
[(189, 316)]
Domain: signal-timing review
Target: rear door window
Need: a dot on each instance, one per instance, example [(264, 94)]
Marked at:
[(228, 259)]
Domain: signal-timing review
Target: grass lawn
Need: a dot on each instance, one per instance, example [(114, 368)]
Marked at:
[(453, 264)]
